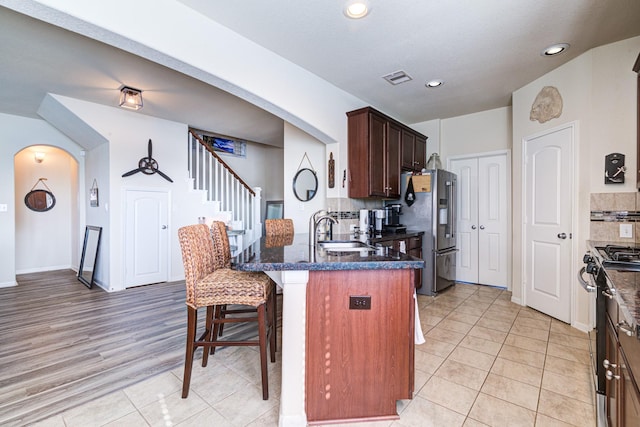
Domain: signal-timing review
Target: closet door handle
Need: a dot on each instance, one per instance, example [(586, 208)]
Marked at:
[(482, 227), (473, 227)]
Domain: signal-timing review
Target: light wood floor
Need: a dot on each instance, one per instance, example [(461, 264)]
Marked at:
[(62, 344)]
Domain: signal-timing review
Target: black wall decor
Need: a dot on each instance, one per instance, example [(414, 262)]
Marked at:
[(148, 165), (614, 168)]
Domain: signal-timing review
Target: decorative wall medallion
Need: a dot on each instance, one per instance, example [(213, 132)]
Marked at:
[(547, 105)]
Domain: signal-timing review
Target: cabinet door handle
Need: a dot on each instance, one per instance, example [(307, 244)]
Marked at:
[(562, 236), (609, 376), (482, 227), (473, 227), (607, 294), (608, 364), (622, 326)]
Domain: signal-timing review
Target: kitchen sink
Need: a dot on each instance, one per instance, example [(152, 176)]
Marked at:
[(344, 246)]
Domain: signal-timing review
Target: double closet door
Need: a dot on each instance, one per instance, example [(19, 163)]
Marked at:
[(483, 218)]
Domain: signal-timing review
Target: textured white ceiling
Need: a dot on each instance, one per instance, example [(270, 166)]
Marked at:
[(483, 49)]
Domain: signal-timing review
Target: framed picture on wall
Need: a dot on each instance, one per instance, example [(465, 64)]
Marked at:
[(93, 194)]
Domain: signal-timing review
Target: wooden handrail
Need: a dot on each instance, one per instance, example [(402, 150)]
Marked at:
[(222, 162)]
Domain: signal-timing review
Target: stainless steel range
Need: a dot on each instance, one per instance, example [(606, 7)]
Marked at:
[(613, 257), (620, 257)]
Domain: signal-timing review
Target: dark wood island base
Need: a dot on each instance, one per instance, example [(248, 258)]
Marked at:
[(359, 360)]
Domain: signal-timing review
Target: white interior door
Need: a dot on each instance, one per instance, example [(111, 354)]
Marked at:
[(467, 239), (483, 219), (548, 222), (493, 220), (146, 237)]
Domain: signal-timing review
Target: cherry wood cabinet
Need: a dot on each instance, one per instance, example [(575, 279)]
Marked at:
[(359, 361), (377, 151), (611, 367), (622, 369), (413, 247), (414, 151)]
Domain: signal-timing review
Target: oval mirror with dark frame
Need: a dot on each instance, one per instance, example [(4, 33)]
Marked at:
[(90, 248), (40, 200), (305, 184)]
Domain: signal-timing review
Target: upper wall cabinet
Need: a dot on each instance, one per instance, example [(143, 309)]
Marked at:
[(378, 146), (414, 150)]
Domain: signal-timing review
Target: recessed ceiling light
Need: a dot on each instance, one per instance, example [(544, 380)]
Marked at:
[(356, 9), (555, 49), (434, 83)]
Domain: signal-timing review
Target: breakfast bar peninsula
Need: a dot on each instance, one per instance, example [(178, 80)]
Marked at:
[(347, 327)]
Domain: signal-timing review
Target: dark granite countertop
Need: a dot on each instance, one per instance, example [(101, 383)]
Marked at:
[(627, 288), (298, 255)]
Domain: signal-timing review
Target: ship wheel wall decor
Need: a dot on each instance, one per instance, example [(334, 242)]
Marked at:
[(148, 166)]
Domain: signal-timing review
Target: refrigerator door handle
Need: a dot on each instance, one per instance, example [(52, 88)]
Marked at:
[(447, 252), (452, 207)]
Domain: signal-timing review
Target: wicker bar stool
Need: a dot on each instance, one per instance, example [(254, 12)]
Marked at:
[(222, 248), (278, 232), (210, 285)]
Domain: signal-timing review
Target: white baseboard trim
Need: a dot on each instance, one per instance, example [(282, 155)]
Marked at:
[(8, 284), (516, 300), (42, 269), (581, 326)]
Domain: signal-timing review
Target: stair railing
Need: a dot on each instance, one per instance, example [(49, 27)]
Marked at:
[(210, 173)]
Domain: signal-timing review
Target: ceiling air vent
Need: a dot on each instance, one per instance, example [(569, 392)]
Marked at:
[(397, 77)]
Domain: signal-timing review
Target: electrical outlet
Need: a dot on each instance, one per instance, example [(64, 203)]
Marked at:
[(3, 207), (626, 230), (360, 302)]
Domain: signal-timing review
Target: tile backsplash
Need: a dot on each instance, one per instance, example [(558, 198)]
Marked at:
[(347, 211), (609, 211)]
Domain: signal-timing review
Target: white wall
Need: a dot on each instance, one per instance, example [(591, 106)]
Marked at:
[(296, 144), (262, 167), (44, 240), (598, 90), (128, 134), (476, 133), (17, 133), (431, 129), (479, 132)]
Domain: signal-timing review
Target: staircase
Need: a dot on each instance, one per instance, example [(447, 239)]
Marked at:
[(234, 202)]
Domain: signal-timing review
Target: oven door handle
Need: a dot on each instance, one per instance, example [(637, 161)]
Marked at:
[(587, 287)]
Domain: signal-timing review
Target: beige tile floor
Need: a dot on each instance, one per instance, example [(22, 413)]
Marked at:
[(486, 362)]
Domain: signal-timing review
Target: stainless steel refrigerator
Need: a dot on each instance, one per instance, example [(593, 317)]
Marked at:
[(434, 212)]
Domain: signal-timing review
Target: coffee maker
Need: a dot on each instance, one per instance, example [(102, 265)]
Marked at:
[(392, 218)]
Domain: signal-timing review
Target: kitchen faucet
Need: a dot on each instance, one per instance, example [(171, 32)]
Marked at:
[(314, 222)]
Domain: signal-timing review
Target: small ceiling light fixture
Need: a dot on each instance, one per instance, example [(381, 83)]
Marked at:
[(130, 98), (38, 156), (356, 9), (555, 49), (434, 83)]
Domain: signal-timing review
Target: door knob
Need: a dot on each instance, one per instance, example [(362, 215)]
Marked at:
[(473, 227), (482, 227), (562, 235), (164, 227)]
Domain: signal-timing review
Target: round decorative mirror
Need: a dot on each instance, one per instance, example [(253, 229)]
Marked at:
[(305, 184), (40, 200)]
